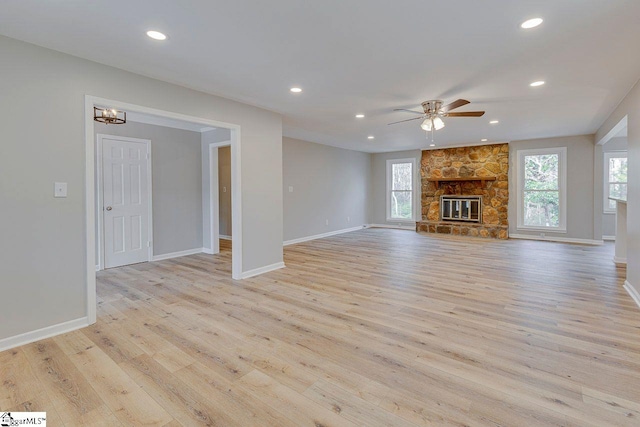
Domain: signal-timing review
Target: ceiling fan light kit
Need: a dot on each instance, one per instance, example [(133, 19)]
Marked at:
[(427, 125), (433, 123)]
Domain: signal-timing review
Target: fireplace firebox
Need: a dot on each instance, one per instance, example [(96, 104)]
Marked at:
[(461, 208)]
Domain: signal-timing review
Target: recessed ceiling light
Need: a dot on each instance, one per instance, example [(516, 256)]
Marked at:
[(432, 145), (494, 122), (359, 116), (484, 140), (295, 90), (370, 137), (156, 35), (538, 83), (531, 23)]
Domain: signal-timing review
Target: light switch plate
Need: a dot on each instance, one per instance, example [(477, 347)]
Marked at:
[(60, 189), (291, 189)]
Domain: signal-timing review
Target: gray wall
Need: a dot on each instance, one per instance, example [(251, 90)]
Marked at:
[(224, 183), (608, 219), (176, 183), (43, 244), (630, 107), (378, 205), (580, 185), (328, 184)]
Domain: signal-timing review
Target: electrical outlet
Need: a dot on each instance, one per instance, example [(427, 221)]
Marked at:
[(291, 189), (326, 221), (348, 219)]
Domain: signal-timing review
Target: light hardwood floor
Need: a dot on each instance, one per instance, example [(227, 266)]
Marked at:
[(372, 328)]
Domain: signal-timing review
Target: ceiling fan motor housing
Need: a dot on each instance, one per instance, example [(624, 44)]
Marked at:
[(432, 107)]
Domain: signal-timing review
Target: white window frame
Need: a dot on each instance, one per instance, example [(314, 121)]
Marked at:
[(562, 187), (414, 201), (607, 156)]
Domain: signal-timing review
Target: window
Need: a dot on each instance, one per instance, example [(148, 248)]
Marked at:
[(541, 183), (615, 178), (400, 190)]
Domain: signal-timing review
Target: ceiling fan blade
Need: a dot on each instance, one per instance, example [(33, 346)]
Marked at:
[(409, 111), (455, 104), (467, 114), (408, 120)]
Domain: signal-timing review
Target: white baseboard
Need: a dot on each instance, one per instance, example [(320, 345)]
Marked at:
[(97, 267), (618, 260), (320, 236), (609, 238), (262, 270), (225, 237), (178, 254), (556, 239), (396, 227), (632, 291), (40, 334), (207, 251)]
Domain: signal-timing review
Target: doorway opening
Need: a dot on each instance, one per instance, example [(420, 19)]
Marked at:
[(138, 235), (611, 158), (219, 210)]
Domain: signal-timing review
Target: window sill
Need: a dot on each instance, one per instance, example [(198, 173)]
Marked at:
[(542, 229), (400, 220)]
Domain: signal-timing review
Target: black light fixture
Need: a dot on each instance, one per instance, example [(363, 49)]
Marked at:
[(109, 116)]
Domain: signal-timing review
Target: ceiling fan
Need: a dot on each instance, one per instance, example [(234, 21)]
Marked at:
[(434, 112)]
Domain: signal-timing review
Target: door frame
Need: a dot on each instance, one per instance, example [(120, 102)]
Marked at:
[(214, 197), (90, 194), (100, 193)]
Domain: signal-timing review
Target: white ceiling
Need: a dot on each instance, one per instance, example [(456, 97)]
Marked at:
[(366, 56)]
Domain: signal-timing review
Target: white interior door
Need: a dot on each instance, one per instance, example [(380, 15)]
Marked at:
[(125, 201)]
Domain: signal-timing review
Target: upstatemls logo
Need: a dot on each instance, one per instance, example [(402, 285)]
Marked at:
[(10, 419), (6, 419)]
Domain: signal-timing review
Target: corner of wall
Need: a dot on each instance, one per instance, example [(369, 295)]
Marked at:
[(633, 292)]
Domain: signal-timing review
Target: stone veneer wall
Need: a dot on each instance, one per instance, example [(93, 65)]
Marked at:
[(479, 161)]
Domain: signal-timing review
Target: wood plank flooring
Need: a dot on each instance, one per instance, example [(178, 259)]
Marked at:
[(371, 328)]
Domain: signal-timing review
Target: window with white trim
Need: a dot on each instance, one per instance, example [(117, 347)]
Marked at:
[(401, 190), (541, 183), (615, 178)]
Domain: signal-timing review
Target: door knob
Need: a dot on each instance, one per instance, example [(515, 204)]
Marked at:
[(109, 208)]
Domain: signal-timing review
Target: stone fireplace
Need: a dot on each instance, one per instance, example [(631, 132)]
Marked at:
[(465, 191)]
